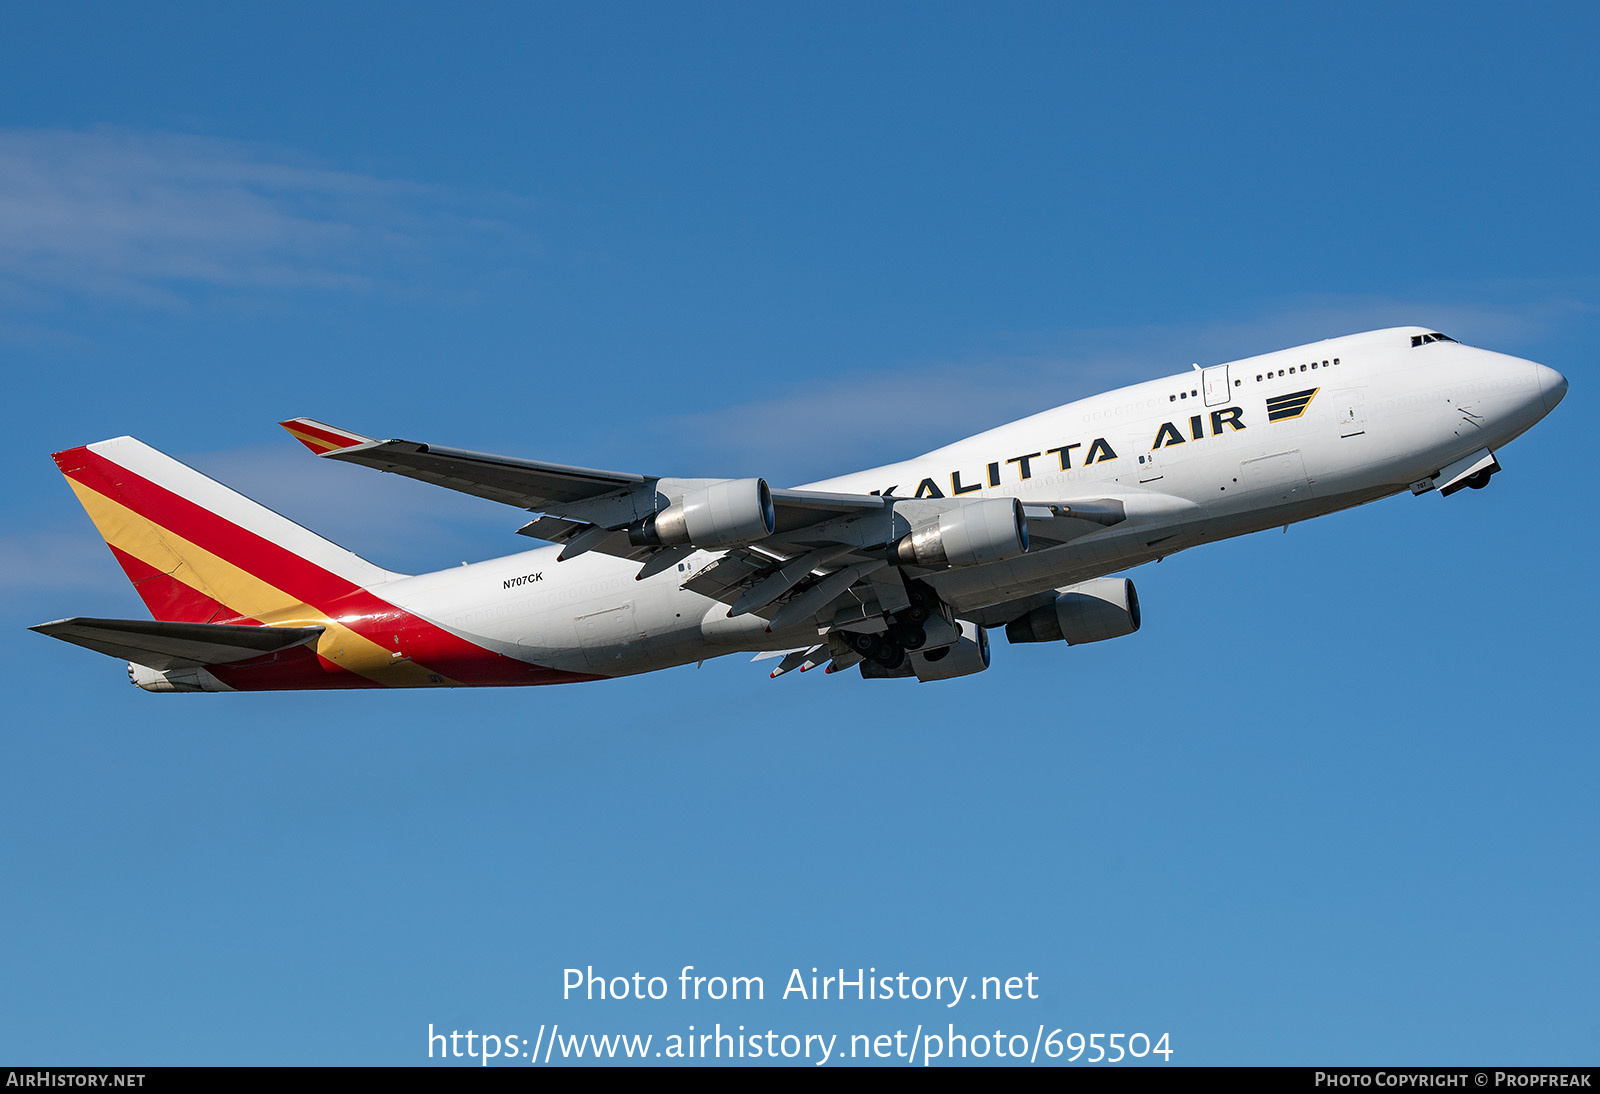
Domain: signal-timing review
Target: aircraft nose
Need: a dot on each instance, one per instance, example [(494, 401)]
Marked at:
[(1552, 385)]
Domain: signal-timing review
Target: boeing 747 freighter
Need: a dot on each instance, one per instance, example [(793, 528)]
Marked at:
[(899, 571)]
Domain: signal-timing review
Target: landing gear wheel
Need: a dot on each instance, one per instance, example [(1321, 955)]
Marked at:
[(1480, 480), (908, 637), (889, 655), (923, 601), (864, 644)]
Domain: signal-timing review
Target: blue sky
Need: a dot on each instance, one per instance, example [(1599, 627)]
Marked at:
[(1333, 804)]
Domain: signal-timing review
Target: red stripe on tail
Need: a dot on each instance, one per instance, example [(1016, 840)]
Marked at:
[(276, 565), (166, 596), (351, 605)]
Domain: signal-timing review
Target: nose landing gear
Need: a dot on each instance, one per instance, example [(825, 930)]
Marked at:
[(1474, 471)]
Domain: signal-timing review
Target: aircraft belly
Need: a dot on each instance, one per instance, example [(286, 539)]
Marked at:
[(665, 627)]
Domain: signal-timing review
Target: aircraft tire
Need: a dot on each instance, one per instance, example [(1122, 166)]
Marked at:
[(909, 637), (864, 644)]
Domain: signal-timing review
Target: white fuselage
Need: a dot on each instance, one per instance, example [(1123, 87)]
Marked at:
[(1200, 445)]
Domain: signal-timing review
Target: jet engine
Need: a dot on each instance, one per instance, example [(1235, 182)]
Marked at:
[(1092, 611), (967, 655), (724, 514), (990, 530)]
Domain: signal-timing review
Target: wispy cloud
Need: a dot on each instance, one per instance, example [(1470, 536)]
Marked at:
[(148, 218), (43, 560)]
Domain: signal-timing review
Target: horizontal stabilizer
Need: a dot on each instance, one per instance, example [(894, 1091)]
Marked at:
[(165, 645)]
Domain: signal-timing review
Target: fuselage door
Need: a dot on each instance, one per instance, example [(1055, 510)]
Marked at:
[(606, 635), (1215, 380), (1352, 410), (1276, 480), (1148, 472)]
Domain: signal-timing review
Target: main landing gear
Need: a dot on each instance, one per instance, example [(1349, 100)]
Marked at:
[(906, 630)]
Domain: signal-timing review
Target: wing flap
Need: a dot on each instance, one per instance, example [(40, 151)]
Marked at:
[(723, 579)]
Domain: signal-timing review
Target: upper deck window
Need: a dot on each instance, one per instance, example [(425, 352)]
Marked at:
[(1424, 339)]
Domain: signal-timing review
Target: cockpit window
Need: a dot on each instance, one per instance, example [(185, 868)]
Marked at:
[(1424, 339)]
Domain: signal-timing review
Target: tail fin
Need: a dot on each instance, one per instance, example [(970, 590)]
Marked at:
[(196, 551)]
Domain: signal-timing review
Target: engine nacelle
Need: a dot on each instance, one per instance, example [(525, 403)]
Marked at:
[(991, 530), (967, 655), (724, 514), (1107, 607)]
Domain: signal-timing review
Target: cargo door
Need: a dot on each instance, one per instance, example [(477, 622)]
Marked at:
[(1278, 479), (606, 635)]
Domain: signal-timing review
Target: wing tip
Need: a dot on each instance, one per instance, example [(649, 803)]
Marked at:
[(320, 437)]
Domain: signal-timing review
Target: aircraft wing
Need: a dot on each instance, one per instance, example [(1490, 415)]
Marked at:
[(575, 501), (828, 555), (998, 615), (527, 484)]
